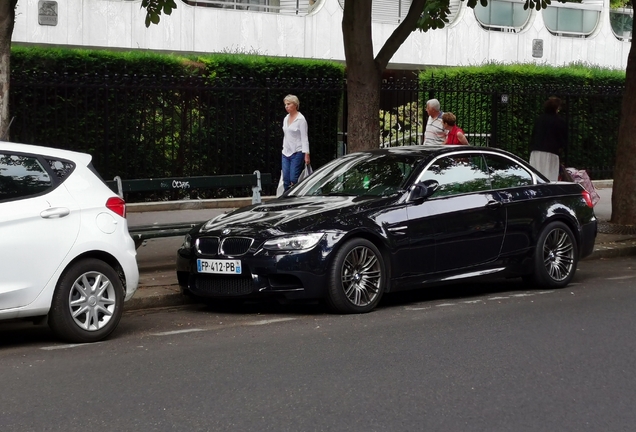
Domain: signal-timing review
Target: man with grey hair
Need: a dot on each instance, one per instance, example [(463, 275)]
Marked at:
[(434, 134)]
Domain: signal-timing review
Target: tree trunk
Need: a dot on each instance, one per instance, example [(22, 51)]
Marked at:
[(623, 196), (7, 20), (363, 128), (364, 73), (363, 78)]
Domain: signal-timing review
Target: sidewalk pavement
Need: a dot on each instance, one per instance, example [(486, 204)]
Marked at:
[(158, 285)]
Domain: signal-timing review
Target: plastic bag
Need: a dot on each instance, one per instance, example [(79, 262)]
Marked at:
[(581, 177), (281, 187), (305, 173)]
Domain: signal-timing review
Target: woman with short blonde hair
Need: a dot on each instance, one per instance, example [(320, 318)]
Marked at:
[(295, 142), (293, 99)]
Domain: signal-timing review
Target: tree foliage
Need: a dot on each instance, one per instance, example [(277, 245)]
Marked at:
[(616, 4), (154, 8)]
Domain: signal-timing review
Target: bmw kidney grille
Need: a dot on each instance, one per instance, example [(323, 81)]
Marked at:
[(235, 245), (207, 246), (232, 246)]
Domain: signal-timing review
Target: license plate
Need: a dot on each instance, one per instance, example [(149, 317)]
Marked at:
[(219, 266)]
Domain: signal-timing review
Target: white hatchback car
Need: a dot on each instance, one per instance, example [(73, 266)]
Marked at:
[(66, 255)]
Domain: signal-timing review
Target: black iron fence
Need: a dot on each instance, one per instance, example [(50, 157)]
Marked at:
[(503, 117), (402, 114), (165, 126)]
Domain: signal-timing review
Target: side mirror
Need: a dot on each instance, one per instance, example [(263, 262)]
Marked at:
[(423, 190)]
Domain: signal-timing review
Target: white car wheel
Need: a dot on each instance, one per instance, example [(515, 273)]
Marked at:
[(88, 302)]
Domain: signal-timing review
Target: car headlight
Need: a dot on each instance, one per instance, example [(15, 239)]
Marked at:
[(293, 243), (187, 241)]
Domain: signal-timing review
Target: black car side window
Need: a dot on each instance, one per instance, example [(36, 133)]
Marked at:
[(506, 173), (459, 174), (22, 176)]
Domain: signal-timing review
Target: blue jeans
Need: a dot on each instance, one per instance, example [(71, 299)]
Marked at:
[(292, 167)]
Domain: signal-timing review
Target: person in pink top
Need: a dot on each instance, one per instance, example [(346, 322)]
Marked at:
[(455, 133)]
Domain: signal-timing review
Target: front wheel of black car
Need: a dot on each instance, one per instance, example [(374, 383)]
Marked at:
[(358, 277), (555, 256)]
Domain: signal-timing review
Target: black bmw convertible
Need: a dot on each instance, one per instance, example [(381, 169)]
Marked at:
[(394, 219)]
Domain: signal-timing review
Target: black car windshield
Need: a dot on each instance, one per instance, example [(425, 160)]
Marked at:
[(360, 174)]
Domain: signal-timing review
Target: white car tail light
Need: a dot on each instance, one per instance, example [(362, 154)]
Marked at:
[(117, 205)]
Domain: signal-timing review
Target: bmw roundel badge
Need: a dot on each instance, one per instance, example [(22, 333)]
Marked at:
[(226, 231)]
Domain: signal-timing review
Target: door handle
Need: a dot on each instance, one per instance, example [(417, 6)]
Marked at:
[(398, 230), (55, 212), (493, 204)]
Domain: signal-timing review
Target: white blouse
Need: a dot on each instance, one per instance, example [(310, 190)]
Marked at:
[(295, 135)]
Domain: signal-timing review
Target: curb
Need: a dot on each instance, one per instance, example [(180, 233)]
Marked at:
[(157, 267), (613, 250), (157, 301), (603, 184), (170, 295)]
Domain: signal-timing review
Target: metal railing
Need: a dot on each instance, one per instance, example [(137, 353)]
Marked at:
[(163, 126)]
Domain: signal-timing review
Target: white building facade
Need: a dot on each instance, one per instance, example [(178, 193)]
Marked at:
[(588, 32)]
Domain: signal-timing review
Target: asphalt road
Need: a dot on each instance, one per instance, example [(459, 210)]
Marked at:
[(475, 357)]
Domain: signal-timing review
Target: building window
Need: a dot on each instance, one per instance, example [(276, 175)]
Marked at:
[(387, 11), (502, 15), (454, 6), (622, 21), (572, 19), (285, 7), (394, 11)]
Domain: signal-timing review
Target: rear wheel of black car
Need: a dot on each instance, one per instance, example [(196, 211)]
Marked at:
[(555, 256), (358, 277), (88, 302)]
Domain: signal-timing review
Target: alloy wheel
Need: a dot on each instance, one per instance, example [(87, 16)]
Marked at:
[(92, 301), (361, 276), (558, 254)]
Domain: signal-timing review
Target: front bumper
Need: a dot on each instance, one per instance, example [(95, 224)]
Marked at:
[(293, 275)]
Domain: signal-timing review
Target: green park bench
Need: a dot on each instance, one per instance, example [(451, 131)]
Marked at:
[(255, 180)]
